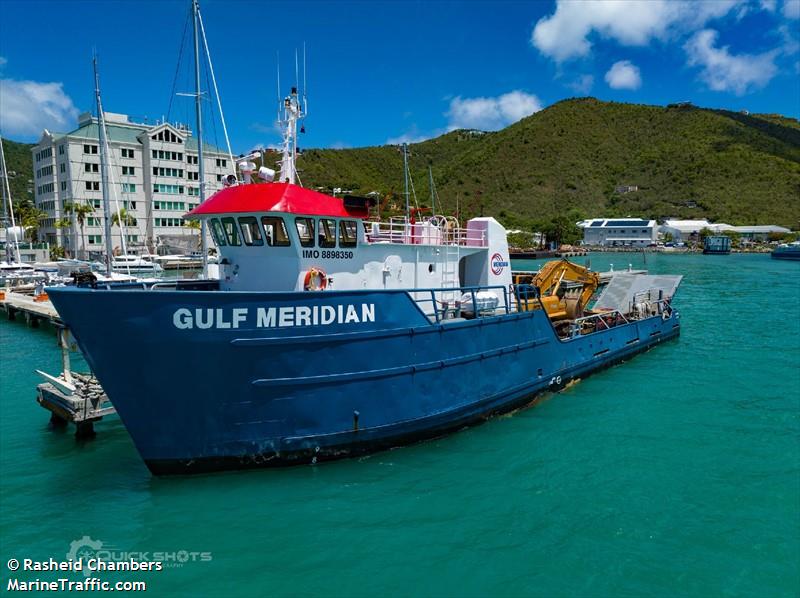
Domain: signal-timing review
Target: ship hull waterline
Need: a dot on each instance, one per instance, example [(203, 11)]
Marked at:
[(240, 380)]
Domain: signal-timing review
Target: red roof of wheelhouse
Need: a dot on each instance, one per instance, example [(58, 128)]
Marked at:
[(275, 197)]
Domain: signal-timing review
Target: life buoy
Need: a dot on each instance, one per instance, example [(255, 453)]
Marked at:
[(316, 279)]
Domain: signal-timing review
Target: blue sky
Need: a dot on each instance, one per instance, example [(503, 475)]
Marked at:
[(383, 72)]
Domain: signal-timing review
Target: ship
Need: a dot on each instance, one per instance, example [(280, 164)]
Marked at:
[(332, 334), (787, 251)]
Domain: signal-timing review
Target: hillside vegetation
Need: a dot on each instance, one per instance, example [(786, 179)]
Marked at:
[(568, 159), (19, 162), (564, 163)]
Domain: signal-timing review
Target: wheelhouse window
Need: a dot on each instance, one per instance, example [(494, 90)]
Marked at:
[(250, 232), (216, 232), (275, 231), (231, 231), (305, 231), (348, 229), (327, 232)]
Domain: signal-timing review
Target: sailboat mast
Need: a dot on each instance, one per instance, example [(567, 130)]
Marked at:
[(14, 253), (101, 126), (433, 195), (405, 174), (199, 112)]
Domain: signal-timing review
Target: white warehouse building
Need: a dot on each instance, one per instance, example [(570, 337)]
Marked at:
[(154, 176), (688, 230), (618, 232)]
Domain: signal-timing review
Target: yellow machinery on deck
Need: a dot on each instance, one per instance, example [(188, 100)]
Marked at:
[(565, 289)]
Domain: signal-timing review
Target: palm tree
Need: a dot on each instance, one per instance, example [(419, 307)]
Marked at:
[(30, 221), (64, 223), (81, 211), (122, 218), (194, 224)]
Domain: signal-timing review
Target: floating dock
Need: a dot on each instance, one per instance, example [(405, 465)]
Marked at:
[(70, 397), (83, 404)]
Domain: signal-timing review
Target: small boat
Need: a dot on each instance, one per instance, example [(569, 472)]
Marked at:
[(178, 262), (136, 263), (787, 251)]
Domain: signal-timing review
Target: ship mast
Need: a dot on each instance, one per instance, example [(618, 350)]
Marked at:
[(12, 248), (199, 112), (293, 111), (101, 125)]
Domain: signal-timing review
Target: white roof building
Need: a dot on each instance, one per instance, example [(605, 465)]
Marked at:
[(618, 231), (681, 230)]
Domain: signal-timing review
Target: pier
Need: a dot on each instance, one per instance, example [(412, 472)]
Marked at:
[(34, 309)]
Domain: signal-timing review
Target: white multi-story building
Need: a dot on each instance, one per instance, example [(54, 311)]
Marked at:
[(618, 232), (154, 176)]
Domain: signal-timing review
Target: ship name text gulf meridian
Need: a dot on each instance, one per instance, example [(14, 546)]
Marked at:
[(272, 317)]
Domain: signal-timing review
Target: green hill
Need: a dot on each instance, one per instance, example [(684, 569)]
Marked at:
[(687, 162), (568, 159), (20, 168)]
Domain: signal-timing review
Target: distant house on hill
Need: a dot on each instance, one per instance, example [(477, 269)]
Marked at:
[(618, 232), (626, 188)]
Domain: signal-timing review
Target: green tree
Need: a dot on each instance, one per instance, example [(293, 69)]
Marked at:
[(81, 211), (30, 220), (62, 223), (520, 240), (122, 218), (563, 230), (194, 224)]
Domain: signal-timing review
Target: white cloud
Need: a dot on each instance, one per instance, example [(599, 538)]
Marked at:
[(769, 5), (414, 135), (624, 75), (564, 34), (791, 9), (790, 44), (723, 71), (582, 84), (489, 114), (31, 106), (3, 61)]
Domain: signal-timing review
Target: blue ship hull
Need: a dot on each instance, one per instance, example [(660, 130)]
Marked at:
[(207, 380), (786, 254)]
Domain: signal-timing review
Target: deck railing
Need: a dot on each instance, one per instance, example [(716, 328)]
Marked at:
[(448, 303), (428, 232)]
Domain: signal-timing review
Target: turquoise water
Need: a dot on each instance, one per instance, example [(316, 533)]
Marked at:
[(675, 473)]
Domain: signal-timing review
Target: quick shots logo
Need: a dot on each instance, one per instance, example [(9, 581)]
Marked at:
[(498, 264), (93, 556)]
